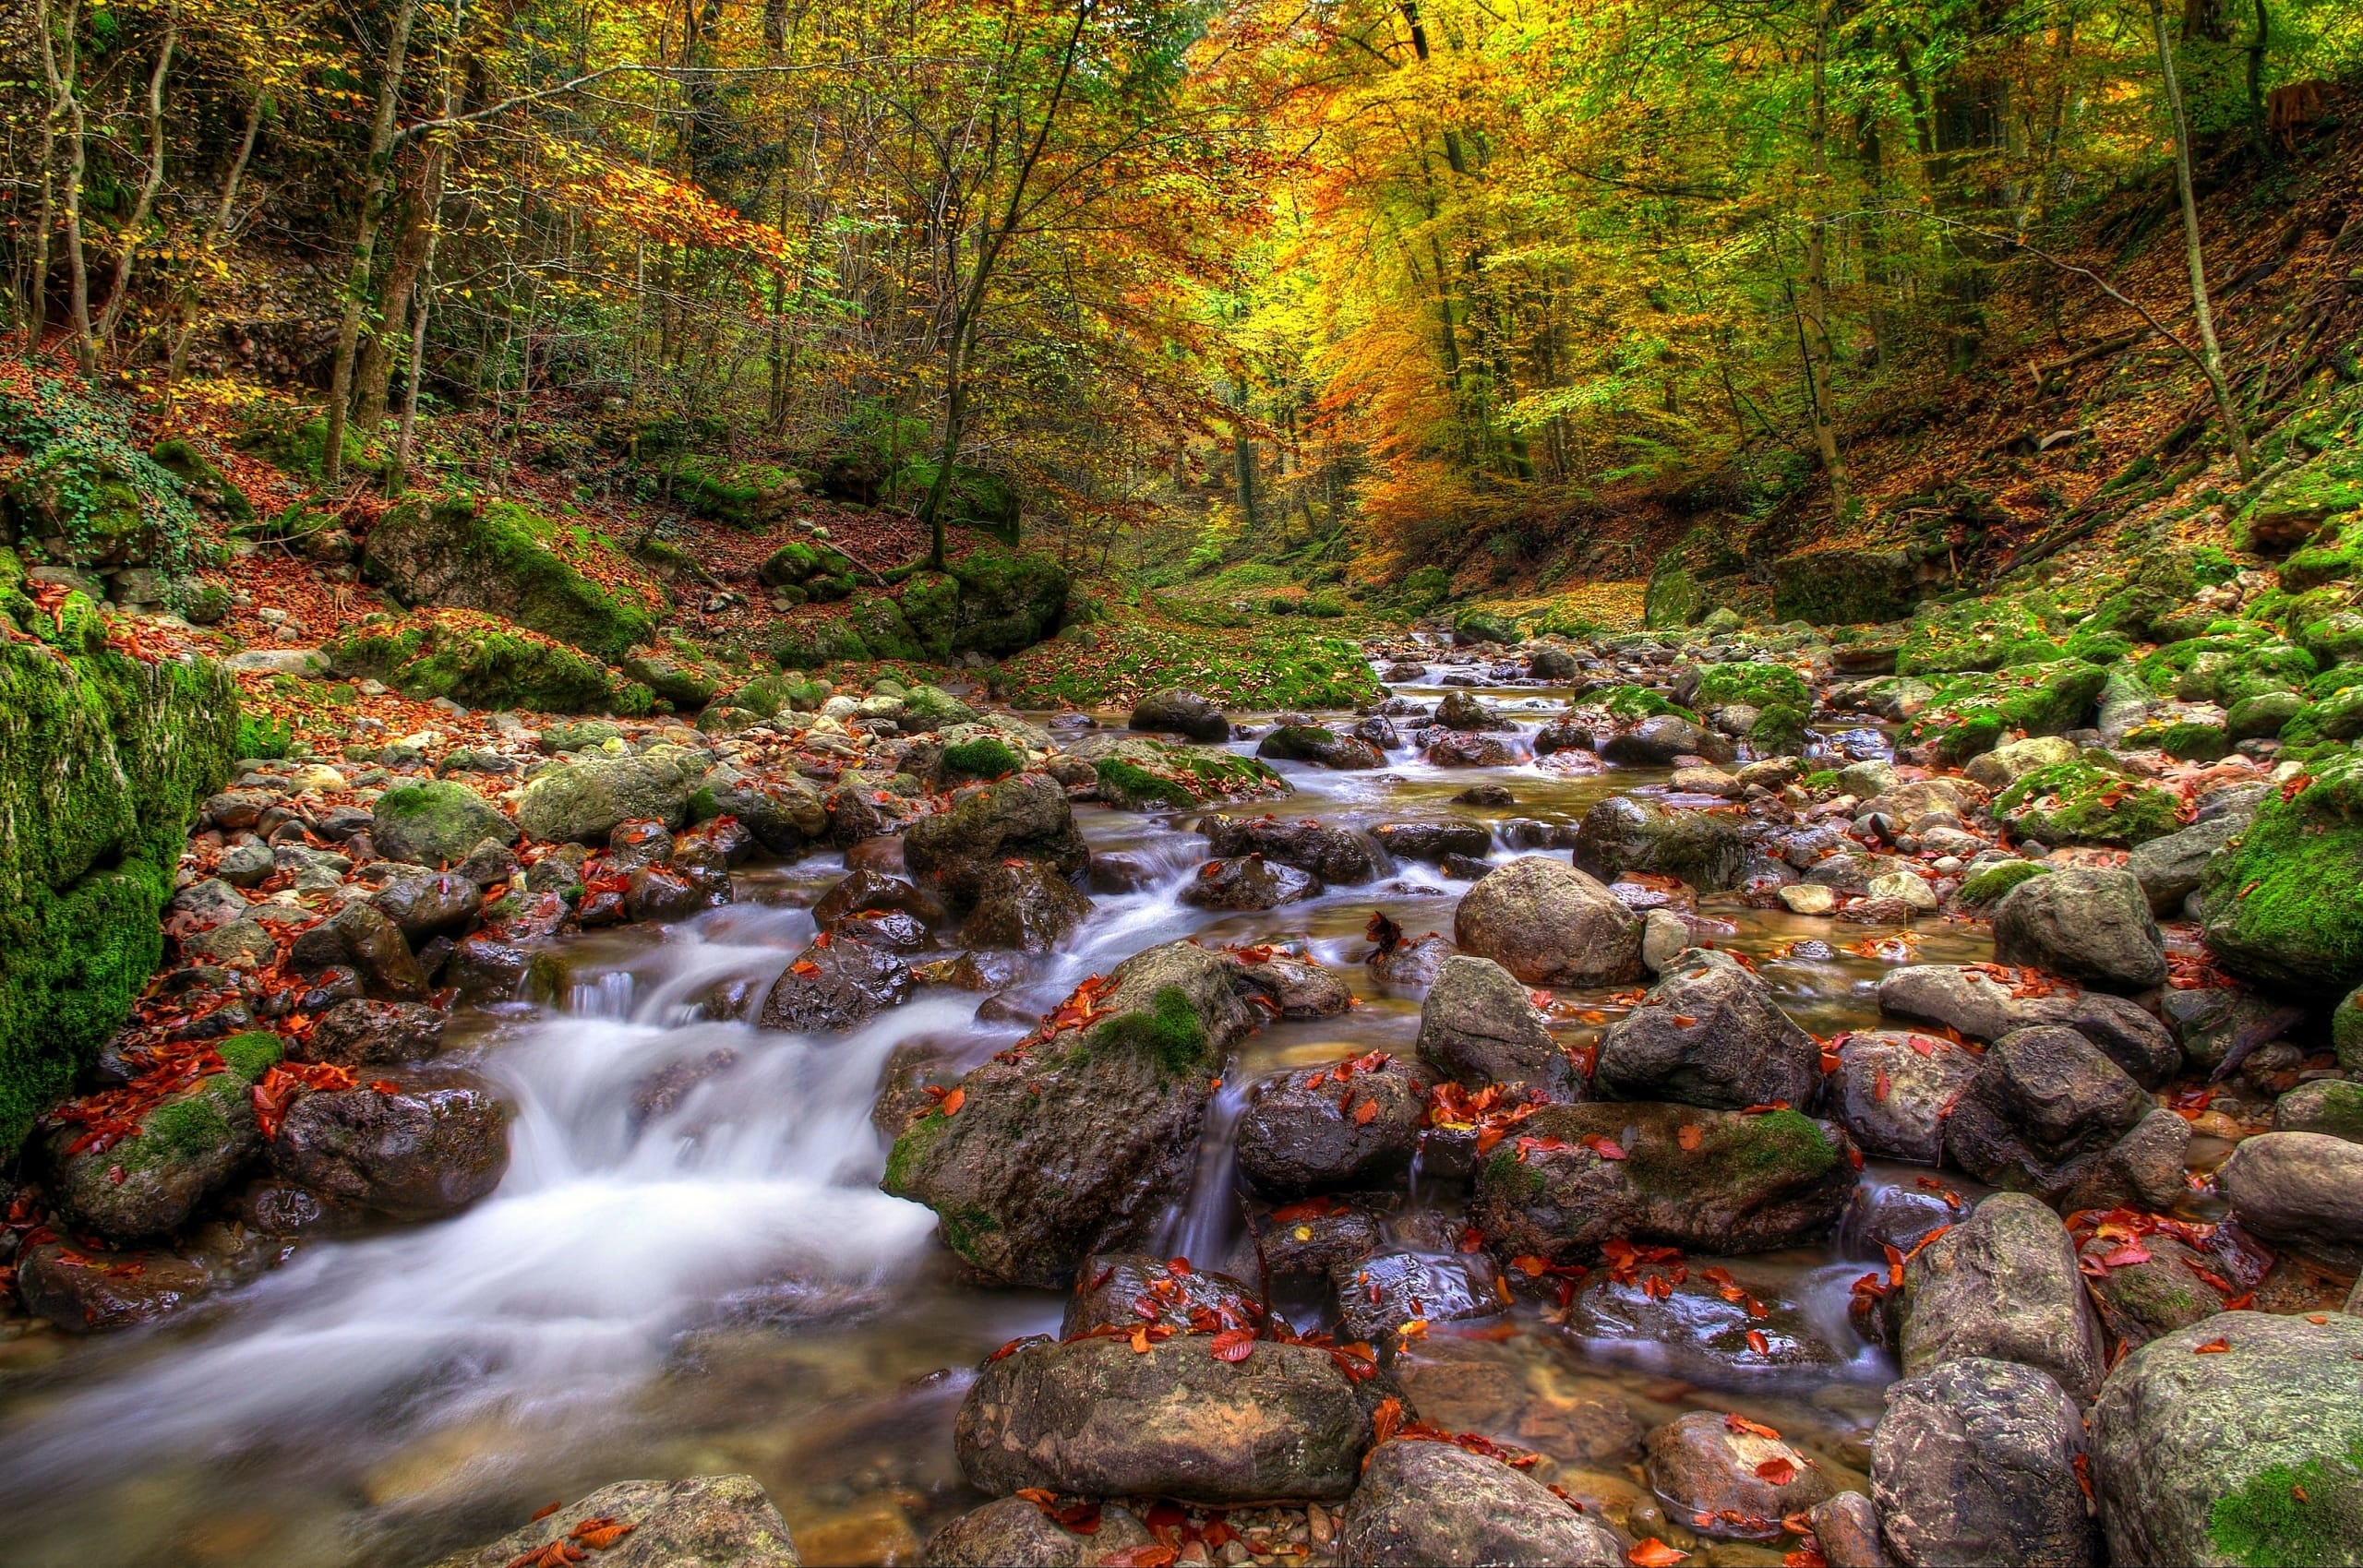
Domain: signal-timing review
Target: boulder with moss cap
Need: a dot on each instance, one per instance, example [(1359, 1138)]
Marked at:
[(1076, 1141)]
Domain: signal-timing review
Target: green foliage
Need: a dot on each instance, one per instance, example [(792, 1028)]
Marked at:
[(260, 735), (85, 479), (1424, 587)]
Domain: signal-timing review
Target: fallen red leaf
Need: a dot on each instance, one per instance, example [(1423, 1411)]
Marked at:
[(1654, 1554), (1779, 1472), (2212, 1347), (1233, 1345), (1689, 1135)]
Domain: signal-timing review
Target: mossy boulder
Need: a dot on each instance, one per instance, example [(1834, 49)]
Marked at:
[(688, 684), (2284, 898), (2082, 803), (932, 708), (495, 556), (1137, 773), (2226, 667), (296, 438), (1674, 599), (149, 1182), (103, 761), (1474, 626), (1844, 585), (204, 482), (1076, 1142), (884, 630), (1755, 685), (797, 563), (434, 823), (930, 605), (1987, 886), (582, 801), (1009, 600), (986, 757), (1708, 1180), (1973, 714), (480, 663), (741, 495), (1981, 634)]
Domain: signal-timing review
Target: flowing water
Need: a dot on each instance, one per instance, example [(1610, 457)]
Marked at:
[(707, 1279)]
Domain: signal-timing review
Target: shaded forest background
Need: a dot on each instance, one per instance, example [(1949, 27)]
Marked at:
[(1452, 288)]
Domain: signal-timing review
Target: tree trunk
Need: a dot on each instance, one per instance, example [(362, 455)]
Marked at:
[(65, 103), (1824, 427), (413, 223), (2211, 352), (365, 241), (185, 328), (119, 291)]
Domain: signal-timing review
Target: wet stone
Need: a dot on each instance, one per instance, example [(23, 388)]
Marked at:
[(1313, 1131), (1699, 1320), (1379, 1297), (1248, 883), (1728, 1481), (93, 1292), (1128, 1289)]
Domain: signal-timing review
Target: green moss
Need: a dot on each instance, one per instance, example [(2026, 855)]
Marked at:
[(1845, 586), (2182, 739), (260, 734), (479, 666), (1483, 626), (1170, 1034), (103, 761), (2078, 803), (1634, 702), (1009, 600), (1981, 634), (2284, 899), (252, 1054), (2226, 667), (1505, 1170), (184, 1128), (2303, 1516), (1756, 685), (743, 495), (884, 630), (204, 482), (983, 758), (911, 1151), (1774, 1149), (1991, 883), (1780, 731)]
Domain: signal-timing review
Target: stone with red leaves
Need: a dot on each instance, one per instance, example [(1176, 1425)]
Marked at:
[(703, 1522), (1729, 1477), (1127, 1290), (1424, 1502), (1017, 1532), (1308, 1131), (92, 1292), (410, 1146)]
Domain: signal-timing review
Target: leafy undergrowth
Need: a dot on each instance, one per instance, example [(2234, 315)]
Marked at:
[(1613, 605), (1258, 669)]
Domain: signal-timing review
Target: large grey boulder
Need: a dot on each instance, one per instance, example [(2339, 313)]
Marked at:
[(1479, 1026), (1708, 1034), (2048, 1113), (2002, 1284), (1656, 741), (1075, 1141), (417, 1148), (1549, 924), (1307, 1132), (436, 823), (1325, 747), (704, 1522), (1625, 833), (785, 811), (1983, 1007), (2234, 1441), (1024, 817), (2091, 924), (2303, 1190), (1096, 1417), (1175, 711), (1894, 1089), (583, 801), (1421, 1503), (1674, 1175), (1974, 1462), (2169, 869), (1334, 855)]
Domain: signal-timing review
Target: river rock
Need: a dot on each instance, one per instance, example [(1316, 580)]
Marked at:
[(358, 1033), (2201, 1458), (1095, 1418), (1013, 1532), (785, 812), (1894, 1088), (1028, 907), (1751, 1183), (362, 936), (434, 823), (1566, 734), (1024, 817), (583, 800), (2169, 869), (1983, 1007), (2003, 1284), (2091, 924), (1297, 986), (417, 1149), (1847, 1530), (1708, 1034), (1974, 1462), (2332, 1106), (1334, 855), (2140, 1297), (1431, 1503), (1076, 1143), (1410, 964), (704, 1522), (1325, 748), (148, 1184), (426, 906), (1127, 1290), (1656, 741), (1248, 883), (1478, 1026), (1385, 1294), (1711, 1473), (1459, 710), (1625, 833), (1689, 1325), (1457, 749), (2301, 1188), (1308, 1132), (1549, 924), (835, 986), (100, 1291), (1432, 841), (1175, 711)]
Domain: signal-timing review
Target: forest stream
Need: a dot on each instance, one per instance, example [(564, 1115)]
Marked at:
[(690, 1268)]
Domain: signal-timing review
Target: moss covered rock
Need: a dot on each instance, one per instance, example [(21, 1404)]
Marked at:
[(103, 761), (149, 1182), (1672, 600), (2081, 803), (931, 603), (204, 482), (434, 823), (1845, 585), (883, 628), (1755, 685), (2284, 899), (1474, 626), (497, 556), (1009, 600), (1973, 714), (2226, 667), (742, 495), (480, 663), (1981, 634), (1140, 775), (1075, 1142)]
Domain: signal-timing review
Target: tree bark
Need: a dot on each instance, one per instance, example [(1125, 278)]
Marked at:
[(127, 254), (1825, 427), (2211, 352), (65, 103), (365, 241)]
